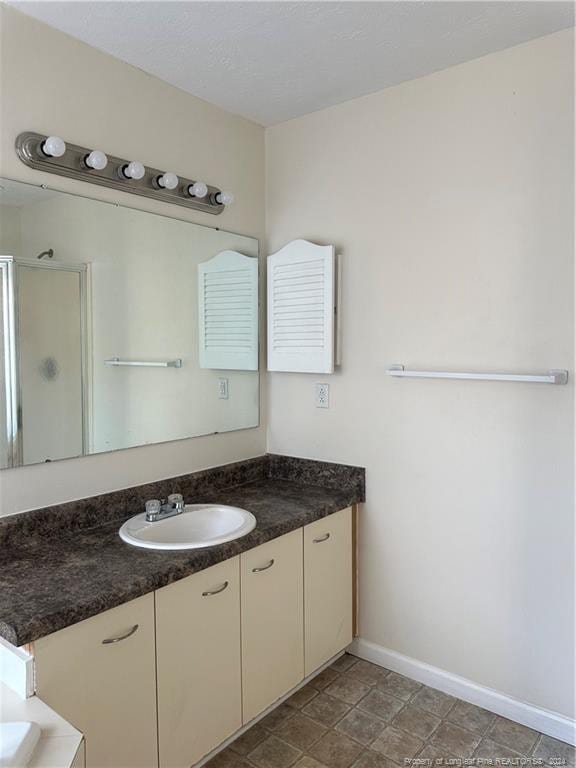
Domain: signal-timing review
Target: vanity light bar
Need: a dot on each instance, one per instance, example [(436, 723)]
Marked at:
[(53, 155)]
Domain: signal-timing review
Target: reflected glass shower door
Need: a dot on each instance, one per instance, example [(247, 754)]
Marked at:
[(43, 361), (50, 352), (9, 444)]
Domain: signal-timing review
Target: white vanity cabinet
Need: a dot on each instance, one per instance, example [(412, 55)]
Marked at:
[(100, 676), (272, 621), (198, 663), (161, 681), (328, 586)]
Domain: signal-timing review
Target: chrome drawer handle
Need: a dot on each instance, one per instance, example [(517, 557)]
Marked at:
[(215, 591), (263, 568), (110, 640), (321, 539)]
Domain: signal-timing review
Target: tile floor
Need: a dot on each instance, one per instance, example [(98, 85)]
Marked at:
[(358, 715)]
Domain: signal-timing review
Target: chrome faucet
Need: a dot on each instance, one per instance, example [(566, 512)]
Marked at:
[(160, 509)]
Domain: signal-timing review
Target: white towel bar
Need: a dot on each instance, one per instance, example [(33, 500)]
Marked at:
[(143, 363), (554, 376)]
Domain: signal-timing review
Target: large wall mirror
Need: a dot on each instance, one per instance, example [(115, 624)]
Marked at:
[(119, 327)]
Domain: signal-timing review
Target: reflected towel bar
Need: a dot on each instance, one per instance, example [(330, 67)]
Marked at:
[(554, 376), (144, 363)]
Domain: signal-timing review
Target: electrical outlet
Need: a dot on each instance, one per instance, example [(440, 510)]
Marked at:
[(322, 396), (223, 389)]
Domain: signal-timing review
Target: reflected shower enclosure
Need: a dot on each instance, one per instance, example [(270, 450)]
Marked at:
[(119, 326), (44, 349)]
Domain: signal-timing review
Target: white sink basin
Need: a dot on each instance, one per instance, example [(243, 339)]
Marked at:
[(17, 742), (200, 525)]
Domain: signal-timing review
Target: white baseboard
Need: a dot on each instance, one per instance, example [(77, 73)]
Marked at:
[(551, 723)]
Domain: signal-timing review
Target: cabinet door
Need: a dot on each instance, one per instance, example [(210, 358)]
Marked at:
[(327, 588), (272, 621), (100, 676), (198, 657)]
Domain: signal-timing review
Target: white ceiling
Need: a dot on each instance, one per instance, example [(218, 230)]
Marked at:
[(272, 61)]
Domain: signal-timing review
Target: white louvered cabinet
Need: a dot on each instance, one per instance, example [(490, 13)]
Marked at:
[(228, 312), (301, 308)]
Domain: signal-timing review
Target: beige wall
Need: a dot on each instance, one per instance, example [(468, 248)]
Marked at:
[(52, 83), (451, 199)]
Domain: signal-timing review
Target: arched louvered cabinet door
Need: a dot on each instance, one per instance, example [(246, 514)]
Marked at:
[(228, 312), (301, 308)]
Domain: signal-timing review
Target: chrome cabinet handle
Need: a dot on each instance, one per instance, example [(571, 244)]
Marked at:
[(321, 539), (110, 640), (215, 591), (264, 567)]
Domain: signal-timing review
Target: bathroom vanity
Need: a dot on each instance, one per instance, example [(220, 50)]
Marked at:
[(159, 657)]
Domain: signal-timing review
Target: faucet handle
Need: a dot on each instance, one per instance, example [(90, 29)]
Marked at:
[(176, 500), (153, 506)]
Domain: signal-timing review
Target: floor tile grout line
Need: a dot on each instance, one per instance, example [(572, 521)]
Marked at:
[(536, 744)]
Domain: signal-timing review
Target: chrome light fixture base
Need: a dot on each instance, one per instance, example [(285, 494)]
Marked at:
[(72, 164)]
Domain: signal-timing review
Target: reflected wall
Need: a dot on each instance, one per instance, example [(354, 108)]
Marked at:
[(94, 283)]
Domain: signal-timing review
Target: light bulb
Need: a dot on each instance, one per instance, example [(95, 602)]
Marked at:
[(133, 170), (168, 180), (224, 198), (54, 146), (96, 160), (198, 189)]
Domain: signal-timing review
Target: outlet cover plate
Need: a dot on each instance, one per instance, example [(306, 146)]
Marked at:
[(223, 389), (322, 395)]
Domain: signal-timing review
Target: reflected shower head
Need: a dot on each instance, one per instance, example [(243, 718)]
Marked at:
[(49, 253)]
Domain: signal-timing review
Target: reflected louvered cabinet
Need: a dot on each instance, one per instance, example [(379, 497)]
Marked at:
[(302, 308), (228, 312)]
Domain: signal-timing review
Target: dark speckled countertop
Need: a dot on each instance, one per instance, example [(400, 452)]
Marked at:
[(63, 564)]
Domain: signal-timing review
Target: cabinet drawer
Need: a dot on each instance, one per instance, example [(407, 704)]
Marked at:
[(198, 657), (272, 621), (100, 676), (328, 586)]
